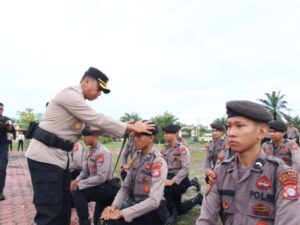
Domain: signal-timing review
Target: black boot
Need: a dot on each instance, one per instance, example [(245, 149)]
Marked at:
[(84, 222), (172, 218), (2, 197), (198, 199), (195, 182)]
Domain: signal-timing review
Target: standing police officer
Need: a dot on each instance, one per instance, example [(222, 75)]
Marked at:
[(293, 132), (5, 127), (251, 187), (95, 182), (61, 126), (217, 150), (285, 149), (143, 188), (177, 157)]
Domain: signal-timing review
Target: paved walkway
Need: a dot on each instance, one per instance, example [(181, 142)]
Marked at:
[(18, 209)]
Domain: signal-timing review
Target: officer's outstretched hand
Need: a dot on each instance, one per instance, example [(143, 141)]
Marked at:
[(141, 127), (111, 213)]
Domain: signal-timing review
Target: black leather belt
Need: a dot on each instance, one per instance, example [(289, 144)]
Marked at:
[(51, 140)]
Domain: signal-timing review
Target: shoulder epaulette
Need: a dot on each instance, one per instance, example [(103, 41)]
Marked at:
[(275, 160)]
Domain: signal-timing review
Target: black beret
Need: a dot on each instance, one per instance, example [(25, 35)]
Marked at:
[(153, 131), (171, 128), (87, 132), (217, 126), (277, 125), (250, 110), (100, 77)]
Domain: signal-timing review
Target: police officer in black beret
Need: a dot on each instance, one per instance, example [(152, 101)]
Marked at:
[(96, 182), (251, 187), (178, 159), (285, 149)]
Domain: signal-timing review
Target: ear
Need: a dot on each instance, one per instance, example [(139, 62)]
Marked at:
[(262, 130)]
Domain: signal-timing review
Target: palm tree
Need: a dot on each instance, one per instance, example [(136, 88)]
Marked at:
[(130, 116), (296, 121), (275, 103), (222, 120)]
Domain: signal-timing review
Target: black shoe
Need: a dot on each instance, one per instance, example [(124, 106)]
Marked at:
[(84, 222), (2, 197), (195, 182), (198, 199), (172, 218)]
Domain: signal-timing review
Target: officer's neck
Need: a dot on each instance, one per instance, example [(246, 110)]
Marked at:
[(248, 157), (277, 142), (216, 139), (94, 144), (147, 149), (172, 142)]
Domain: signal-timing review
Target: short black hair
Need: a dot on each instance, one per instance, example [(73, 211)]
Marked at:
[(1, 104)]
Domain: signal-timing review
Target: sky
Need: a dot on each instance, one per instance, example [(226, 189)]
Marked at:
[(187, 57)]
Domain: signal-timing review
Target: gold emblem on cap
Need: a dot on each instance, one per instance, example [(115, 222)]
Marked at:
[(102, 83)]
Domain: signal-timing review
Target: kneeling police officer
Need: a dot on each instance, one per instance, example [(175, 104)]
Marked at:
[(95, 182), (143, 188)]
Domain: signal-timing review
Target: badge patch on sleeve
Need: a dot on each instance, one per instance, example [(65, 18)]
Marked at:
[(101, 158), (289, 177), (290, 192), (183, 150), (155, 169), (263, 183), (289, 181)]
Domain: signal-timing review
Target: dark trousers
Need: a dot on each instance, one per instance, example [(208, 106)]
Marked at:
[(20, 144), (74, 174), (103, 195), (51, 187), (10, 144), (155, 217), (3, 165), (173, 196)]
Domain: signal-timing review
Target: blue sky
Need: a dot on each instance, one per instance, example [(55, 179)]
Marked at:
[(187, 57)]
